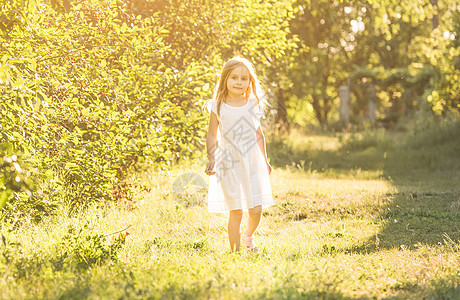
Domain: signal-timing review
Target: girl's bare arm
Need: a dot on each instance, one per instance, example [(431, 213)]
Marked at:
[(211, 142), (261, 142)]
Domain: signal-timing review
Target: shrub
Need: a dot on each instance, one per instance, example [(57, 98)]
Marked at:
[(14, 175), (81, 249), (428, 130), (279, 150), (364, 140), (93, 91), (87, 98)]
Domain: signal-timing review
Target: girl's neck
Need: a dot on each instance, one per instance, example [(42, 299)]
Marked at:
[(235, 98)]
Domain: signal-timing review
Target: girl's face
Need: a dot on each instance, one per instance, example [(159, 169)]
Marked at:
[(238, 81)]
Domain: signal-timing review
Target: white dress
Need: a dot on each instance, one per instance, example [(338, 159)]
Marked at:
[(241, 180)]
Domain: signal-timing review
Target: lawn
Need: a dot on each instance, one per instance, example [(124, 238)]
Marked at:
[(356, 217)]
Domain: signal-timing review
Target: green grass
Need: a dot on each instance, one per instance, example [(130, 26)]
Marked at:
[(354, 217)]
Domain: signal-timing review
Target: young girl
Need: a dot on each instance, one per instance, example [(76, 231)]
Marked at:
[(237, 157)]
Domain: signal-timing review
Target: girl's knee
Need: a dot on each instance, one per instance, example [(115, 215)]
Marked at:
[(256, 210), (237, 213)]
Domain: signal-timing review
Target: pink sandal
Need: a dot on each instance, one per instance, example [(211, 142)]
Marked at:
[(248, 244)]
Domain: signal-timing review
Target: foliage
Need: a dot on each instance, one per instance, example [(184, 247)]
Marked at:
[(410, 57), (95, 90), (445, 57), (401, 48), (87, 97), (81, 249), (322, 59), (280, 151), (427, 131), (14, 175), (362, 141), (263, 34)]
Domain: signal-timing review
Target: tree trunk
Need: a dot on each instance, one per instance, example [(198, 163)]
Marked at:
[(317, 108), (435, 20), (281, 116), (327, 105)]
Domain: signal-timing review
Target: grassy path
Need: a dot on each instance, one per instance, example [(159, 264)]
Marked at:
[(380, 232)]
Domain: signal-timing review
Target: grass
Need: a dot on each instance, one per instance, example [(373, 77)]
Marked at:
[(355, 217)]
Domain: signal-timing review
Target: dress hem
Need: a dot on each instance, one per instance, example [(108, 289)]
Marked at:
[(265, 205)]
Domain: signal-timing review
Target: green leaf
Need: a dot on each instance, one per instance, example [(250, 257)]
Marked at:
[(37, 106), (17, 135), (5, 197), (49, 174), (70, 165)]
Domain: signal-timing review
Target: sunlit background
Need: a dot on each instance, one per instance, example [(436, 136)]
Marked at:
[(101, 103)]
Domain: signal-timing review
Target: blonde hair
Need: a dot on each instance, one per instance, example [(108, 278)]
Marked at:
[(254, 89)]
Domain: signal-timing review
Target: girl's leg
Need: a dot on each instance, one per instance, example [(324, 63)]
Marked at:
[(234, 223), (253, 221)]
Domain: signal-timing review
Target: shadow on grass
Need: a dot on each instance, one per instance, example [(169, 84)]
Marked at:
[(296, 293), (425, 210), (426, 207)]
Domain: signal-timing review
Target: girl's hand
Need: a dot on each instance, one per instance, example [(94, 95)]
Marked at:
[(269, 168), (210, 167)]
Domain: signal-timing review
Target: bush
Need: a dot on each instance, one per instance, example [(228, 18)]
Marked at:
[(362, 141), (14, 175), (93, 91), (87, 98), (80, 249), (428, 130), (279, 150)]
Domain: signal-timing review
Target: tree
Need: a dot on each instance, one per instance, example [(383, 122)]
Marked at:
[(94, 90)]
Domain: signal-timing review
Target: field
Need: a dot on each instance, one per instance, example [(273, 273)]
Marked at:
[(358, 216)]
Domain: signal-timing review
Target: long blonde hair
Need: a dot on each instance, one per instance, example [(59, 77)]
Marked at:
[(254, 89)]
